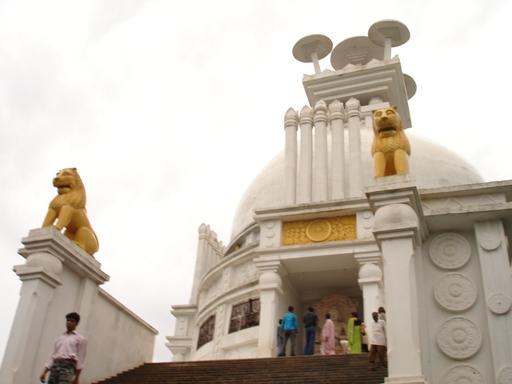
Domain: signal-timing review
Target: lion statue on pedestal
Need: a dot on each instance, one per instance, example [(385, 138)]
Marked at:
[(67, 210), (390, 148)]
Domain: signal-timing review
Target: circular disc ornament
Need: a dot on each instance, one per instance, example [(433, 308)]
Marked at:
[(308, 45), (394, 30), (505, 375), (410, 86), (455, 292), (449, 251), (318, 230), (459, 338), (463, 374), (355, 50), (499, 303)]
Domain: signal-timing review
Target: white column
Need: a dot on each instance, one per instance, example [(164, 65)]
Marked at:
[(337, 150), (396, 228), (354, 147), (370, 281), (290, 155), (497, 288), (40, 276), (181, 343), (305, 156), (320, 163), (201, 261), (270, 287)]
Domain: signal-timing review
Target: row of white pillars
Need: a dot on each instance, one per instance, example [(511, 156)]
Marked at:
[(307, 174)]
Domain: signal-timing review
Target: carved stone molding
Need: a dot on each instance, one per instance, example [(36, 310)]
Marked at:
[(270, 234), (505, 375), (455, 292), (449, 251), (459, 338), (463, 374), (499, 303)]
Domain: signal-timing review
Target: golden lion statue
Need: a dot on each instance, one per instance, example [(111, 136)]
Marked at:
[(68, 210), (390, 148)]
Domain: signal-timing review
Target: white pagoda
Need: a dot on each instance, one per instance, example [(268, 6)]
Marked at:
[(316, 228)]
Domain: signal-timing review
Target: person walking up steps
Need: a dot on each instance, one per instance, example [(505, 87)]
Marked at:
[(378, 342)]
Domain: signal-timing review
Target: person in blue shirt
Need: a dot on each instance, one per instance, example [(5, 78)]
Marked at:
[(290, 328)]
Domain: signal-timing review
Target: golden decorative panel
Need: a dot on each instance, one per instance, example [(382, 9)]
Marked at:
[(319, 230)]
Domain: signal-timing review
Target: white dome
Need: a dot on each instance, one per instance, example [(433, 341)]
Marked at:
[(431, 165)]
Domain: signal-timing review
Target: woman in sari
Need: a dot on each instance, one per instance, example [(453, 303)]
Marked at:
[(354, 333), (328, 346)]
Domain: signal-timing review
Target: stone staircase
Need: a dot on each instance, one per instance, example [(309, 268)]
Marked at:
[(338, 369)]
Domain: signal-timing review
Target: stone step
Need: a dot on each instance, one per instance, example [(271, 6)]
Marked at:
[(340, 369)]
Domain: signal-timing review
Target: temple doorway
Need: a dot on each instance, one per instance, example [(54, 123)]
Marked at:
[(340, 307)]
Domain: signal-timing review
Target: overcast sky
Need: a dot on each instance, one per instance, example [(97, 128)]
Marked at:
[(170, 108)]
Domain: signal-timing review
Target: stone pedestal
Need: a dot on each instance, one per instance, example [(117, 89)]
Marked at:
[(58, 277), (270, 287)]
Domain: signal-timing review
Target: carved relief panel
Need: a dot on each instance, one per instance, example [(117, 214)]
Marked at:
[(453, 285), (319, 230)]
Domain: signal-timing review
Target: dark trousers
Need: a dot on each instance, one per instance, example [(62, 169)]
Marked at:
[(289, 335), (378, 352), (309, 349)]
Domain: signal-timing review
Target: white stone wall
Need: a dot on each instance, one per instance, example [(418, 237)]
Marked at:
[(118, 339), (452, 310)]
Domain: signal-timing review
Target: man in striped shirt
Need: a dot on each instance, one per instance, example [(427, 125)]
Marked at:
[(67, 360)]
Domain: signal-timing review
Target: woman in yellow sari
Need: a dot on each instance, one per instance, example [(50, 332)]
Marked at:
[(354, 333)]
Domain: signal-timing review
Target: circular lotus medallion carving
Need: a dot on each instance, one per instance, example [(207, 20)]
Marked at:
[(505, 375), (318, 230), (459, 338), (463, 374), (450, 251), (455, 292), (499, 303)]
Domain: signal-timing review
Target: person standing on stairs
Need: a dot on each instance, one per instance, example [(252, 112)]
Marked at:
[(280, 337), (354, 333), (310, 323), (290, 330), (378, 342), (328, 342)]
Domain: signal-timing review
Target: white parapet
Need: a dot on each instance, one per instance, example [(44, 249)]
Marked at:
[(59, 277)]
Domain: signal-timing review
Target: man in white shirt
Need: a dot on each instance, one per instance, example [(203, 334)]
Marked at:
[(67, 360), (378, 341)]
